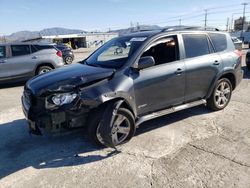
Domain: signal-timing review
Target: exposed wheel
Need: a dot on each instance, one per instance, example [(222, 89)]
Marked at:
[(122, 131), (248, 66), (221, 95), (68, 60), (43, 69)]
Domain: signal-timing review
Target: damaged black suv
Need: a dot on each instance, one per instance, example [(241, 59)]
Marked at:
[(132, 79)]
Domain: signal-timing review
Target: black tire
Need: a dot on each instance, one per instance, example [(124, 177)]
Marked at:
[(95, 119), (68, 60), (43, 69), (248, 66), (217, 100)]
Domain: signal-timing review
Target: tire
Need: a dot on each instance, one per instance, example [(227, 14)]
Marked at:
[(221, 95), (68, 60), (43, 69), (248, 66), (94, 122)]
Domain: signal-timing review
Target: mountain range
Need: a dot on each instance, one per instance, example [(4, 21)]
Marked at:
[(22, 35)]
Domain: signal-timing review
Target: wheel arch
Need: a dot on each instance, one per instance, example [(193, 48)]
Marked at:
[(43, 64), (229, 75)]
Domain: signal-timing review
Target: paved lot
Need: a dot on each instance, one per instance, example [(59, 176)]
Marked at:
[(192, 148)]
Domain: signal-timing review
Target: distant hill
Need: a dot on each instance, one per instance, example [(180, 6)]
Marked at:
[(22, 35)]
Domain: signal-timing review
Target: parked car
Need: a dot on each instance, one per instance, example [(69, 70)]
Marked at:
[(237, 43), (67, 53), (156, 73), (20, 61), (248, 59)]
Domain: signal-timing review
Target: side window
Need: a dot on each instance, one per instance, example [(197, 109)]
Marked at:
[(219, 41), (2, 52), (165, 50), (18, 50), (195, 45), (33, 49)]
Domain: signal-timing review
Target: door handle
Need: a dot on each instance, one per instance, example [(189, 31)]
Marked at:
[(179, 71), (216, 62), (34, 57)]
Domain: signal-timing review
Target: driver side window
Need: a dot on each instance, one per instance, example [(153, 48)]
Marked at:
[(164, 50)]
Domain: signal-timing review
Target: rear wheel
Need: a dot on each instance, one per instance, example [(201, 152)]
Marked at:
[(68, 60), (122, 131), (221, 95), (248, 66), (43, 69)]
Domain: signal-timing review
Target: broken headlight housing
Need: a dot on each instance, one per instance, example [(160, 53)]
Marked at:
[(63, 98)]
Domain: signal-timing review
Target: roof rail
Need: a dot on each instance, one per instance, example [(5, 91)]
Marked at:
[(180, 27)]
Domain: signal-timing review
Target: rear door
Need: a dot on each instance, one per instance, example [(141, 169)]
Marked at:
[(202, 65), (4, 65), (22, 61)]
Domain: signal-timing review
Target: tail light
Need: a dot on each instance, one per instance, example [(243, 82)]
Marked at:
[(238, 52), (59, 53)]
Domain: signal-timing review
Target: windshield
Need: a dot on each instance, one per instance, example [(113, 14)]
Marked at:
[(116, 52)]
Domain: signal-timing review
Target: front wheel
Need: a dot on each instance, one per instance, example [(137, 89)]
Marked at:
[(123, 127), (221, 95)]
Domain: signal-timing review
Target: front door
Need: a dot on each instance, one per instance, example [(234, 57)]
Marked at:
[(162, 85)]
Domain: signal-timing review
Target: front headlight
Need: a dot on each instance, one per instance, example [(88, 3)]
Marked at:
[(63, 98)]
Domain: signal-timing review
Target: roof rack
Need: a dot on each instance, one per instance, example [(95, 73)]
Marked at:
[(180, 27)]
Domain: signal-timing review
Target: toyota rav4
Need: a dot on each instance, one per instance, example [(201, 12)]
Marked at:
[(132, 79)]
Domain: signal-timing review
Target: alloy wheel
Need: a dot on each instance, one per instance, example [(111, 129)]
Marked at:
[(222, 94), (120, 131)]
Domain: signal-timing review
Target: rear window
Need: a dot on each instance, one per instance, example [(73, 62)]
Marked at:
[(195, 45), (18, 50), (219, 41), (2, 52)]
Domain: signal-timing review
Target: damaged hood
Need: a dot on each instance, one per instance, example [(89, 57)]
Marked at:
[(67, 78)]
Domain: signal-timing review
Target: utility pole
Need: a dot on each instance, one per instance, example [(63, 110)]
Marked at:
[(138, 27), (243, 20), (205, 25), (180, 22), (227, 25)]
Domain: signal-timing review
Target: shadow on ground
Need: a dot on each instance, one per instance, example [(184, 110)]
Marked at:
[(20, 150), (10, 85)]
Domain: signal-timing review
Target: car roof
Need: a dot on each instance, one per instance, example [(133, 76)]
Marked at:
[(173, 30), (27, 43)]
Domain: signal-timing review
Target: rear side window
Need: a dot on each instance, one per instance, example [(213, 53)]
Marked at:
[(44, 47), (219, 41), (195, 45), (2, 52), (18, 50)]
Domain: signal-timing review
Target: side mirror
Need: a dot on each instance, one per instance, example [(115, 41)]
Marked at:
[(145, 62)]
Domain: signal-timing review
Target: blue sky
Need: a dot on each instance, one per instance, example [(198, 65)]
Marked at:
[(18, 15)]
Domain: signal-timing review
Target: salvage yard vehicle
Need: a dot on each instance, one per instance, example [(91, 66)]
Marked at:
[(157, 73), (21, 61), (67, 53)]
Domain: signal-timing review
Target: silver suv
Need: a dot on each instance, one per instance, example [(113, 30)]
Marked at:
[(19, 61)]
